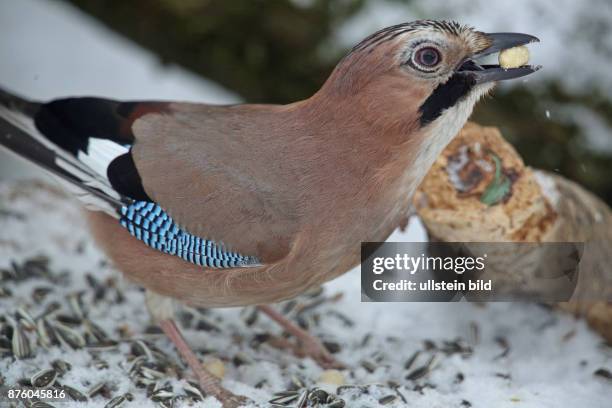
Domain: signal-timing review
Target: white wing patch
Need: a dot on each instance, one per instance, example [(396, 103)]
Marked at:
[(100, 153), (89, 169)]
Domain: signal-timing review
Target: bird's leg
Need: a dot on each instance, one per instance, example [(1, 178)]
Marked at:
[(161, 309), (308, 345), (208, 382)]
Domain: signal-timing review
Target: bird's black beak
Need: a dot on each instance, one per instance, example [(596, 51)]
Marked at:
[(488, 73)]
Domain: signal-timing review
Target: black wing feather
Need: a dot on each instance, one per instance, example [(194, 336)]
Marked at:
[(124, 178), (72, 123)]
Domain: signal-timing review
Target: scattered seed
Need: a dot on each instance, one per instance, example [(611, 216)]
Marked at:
[(50, 309), (411, 360), (303, 322), (193, 390), (140, 348), (67, 320), (505, 376), (24, 382), (136, 364), (74, 394), (456, 346), (41, 404), (20, 343), (289, 306), (95, 330), (302, 401), (474, 333), (296, 383), (106, 345), (44, 378), (569, 335), (216, 367), (26, 319), (151, 373), (284, 398), (167, 403), (99, 364), (399, 394), (314, 292), (503, 343), (366, 339), (241, 359), (45, 332), (39, 294), (75, 302), (429, 345), (603, 373), (421, 371), (346, 321), (115, 402), (163, 394), (318, 395), (420, 387), (68, 335), (151, 388), (332, 346), (369, 366), (99, 289), (347, 388), (5, 345), (249, 315), (206, 325), (99, 388), (153, 330), (124, 331), (333, 377), (388, 400)]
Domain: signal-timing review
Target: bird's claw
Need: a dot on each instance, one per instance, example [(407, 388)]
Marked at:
[(233, 401), (314, 349)]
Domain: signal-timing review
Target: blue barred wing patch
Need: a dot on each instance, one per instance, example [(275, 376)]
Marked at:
[(149, 223)]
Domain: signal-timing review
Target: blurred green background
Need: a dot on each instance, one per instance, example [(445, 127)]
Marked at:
[(279, 51)]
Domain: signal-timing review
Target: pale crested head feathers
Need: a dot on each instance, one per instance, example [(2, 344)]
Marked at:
[(476, 40)]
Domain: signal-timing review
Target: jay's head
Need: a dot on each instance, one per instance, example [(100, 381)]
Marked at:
[(424, 68)]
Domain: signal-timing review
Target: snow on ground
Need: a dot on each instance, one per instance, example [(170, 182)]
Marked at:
[(501, 355)]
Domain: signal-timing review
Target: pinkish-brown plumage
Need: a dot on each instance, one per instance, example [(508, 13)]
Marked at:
[(298, 187)]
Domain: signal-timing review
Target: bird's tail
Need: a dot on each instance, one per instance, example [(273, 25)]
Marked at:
[(19, 135)]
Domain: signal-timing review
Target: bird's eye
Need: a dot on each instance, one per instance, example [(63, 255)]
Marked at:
[(427, 57)]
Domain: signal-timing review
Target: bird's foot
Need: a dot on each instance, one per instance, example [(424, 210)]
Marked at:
[(207, 381), (229, 400), (307, 345), (313, 348), (310, 348)]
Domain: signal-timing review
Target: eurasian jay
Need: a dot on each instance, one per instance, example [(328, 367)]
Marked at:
[(251, 204)]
